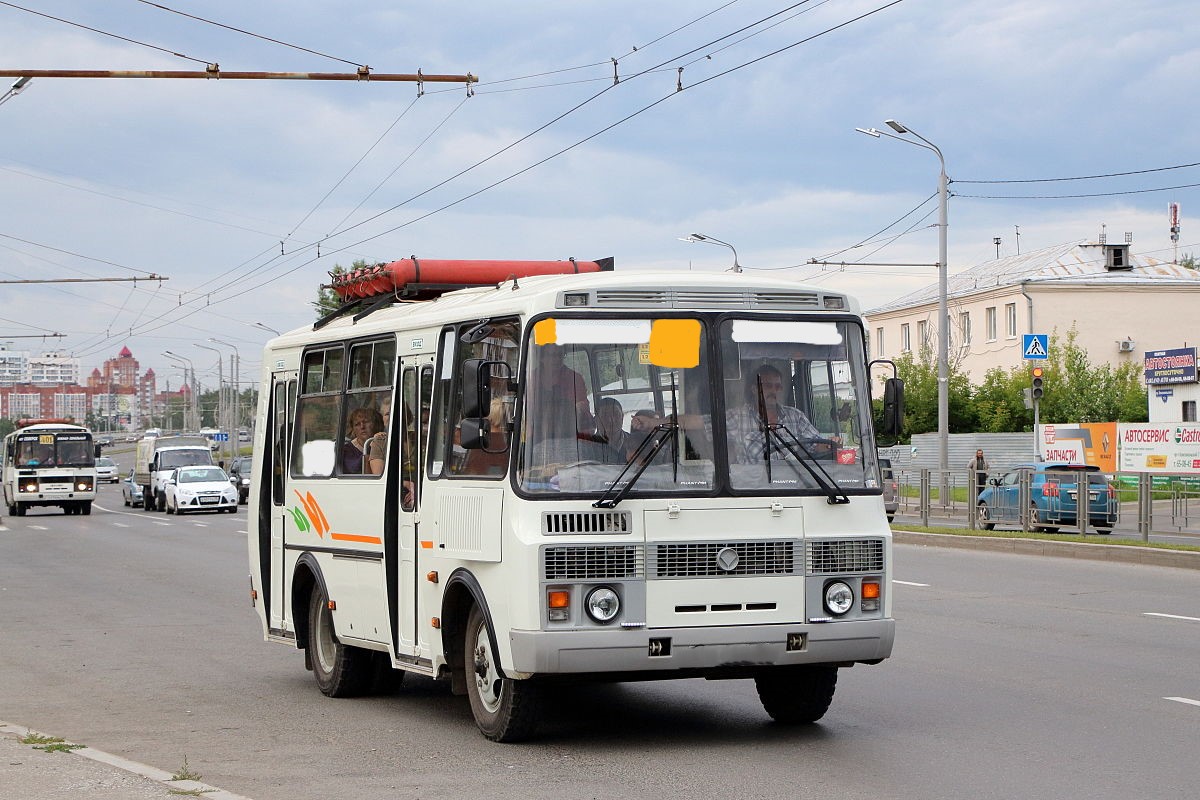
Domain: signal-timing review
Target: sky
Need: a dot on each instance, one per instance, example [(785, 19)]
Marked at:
[(731, 119)]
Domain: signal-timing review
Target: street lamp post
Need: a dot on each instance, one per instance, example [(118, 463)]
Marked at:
[(700, 237), (943, 354), (235, 375), (222, 408), (192, 407), (264, 327)]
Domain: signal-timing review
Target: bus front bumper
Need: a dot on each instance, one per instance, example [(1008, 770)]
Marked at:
[(714, 648)]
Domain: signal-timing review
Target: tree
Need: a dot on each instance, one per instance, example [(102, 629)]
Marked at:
[(1075, 391), (7, 426), (327, 299), (920, 376), (999, 401)]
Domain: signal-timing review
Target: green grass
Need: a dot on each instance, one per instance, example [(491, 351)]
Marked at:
[(51, 744), (1091, 538)]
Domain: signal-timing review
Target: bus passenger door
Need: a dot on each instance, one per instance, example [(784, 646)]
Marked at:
[(276, 461), (416, 387)]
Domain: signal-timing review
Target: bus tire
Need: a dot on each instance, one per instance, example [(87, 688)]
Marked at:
[(340, 670), (147, 500), (798, 695), (85, 508), (505, 709), (160, 502)]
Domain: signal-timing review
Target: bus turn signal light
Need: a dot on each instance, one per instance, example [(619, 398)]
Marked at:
[(558, 602), (870, 595)]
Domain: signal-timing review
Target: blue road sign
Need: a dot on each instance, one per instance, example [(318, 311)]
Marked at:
[(1035, 346), (220, 437)]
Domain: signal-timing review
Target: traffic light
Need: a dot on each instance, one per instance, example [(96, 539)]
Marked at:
[(1036, 391)]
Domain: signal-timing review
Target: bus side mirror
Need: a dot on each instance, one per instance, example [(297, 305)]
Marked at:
[(473, 433), (476, 388), (893, 406), (479, 377)]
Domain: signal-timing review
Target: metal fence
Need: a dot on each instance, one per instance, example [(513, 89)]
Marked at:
[(1132, 503)]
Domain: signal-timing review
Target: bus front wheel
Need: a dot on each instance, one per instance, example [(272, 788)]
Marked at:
[(505, 709), (797, 695), (341, 670)]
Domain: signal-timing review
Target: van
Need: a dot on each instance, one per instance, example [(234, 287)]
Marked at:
[(891, 489)]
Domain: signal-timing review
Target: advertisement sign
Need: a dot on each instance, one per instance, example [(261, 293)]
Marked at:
[(1171, 366), (1091, 443), (1160, 447)]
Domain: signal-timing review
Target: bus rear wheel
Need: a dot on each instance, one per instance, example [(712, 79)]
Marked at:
[(797, 695), (504, 709), (340, 670)]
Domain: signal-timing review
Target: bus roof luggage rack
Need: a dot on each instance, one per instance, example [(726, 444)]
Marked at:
[(425, 279)]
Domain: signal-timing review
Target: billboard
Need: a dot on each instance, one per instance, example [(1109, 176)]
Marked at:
[(1171, 366), (1092, 443), (1159, 447)]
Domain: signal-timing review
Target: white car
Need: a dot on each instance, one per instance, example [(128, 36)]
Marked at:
[(106, 470), (200, 488)]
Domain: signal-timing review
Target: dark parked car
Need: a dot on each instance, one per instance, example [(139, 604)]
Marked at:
[(239, 476), (891, 489), (1053, 497)]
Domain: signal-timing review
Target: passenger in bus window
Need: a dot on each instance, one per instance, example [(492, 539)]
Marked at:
[(362, 424), (375, 448), (558, 383), (764, 394), (609, 418)]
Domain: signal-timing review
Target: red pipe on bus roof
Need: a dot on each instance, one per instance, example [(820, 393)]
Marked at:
[(412, 274)]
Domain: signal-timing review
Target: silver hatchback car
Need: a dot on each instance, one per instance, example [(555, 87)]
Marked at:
[(891, 488)]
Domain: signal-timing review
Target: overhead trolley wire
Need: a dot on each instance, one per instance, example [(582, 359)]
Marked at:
[(105, 33), (250, 33)]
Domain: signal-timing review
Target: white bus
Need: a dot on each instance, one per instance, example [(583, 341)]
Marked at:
[(464, 489), (49, 463)]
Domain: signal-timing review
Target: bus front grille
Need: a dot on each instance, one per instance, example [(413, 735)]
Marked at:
[(833, 556), (723, 559), (592, 562)]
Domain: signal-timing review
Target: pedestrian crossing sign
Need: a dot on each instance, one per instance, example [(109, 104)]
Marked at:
[(1035, 346)]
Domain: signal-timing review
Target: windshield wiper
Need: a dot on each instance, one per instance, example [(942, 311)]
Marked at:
[(650, 446), (819, 474)]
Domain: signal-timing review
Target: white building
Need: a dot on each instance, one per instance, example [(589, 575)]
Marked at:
[(1120, 304), (54, 369), (14, 366)]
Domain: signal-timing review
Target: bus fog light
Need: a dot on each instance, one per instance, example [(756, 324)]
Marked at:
[(839, 598), (603, 604)]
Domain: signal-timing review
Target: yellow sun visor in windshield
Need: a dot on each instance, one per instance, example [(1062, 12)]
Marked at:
[(673, 343)]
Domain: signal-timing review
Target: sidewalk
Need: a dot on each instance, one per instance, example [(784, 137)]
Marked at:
[(84, 772)]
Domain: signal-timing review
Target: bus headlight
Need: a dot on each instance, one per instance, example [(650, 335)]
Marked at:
[(839, 598), (602, 604)]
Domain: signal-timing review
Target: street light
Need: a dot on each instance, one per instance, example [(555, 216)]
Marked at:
[(15, 89), (235, 375), (264, 327), (700, 237), (221, 412), (191, 387), (943, 354)]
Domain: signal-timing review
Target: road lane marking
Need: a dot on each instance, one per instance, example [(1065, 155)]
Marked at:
[(120, 525), (910, 583), (38, 528), (1189, 701), (1169, 616)]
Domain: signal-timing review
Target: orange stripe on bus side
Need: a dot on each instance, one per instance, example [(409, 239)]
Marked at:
[(354, 537)]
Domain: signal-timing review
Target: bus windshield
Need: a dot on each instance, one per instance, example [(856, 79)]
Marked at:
[(55, 450), (651, 406)]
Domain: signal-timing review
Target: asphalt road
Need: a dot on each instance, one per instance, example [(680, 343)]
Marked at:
[(1012, 677)]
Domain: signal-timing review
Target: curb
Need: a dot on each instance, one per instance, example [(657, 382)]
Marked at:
[(61, 778), (1114, 553)]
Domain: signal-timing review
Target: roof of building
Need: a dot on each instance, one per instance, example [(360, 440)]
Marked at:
[(125, 353), (1075, 262)]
